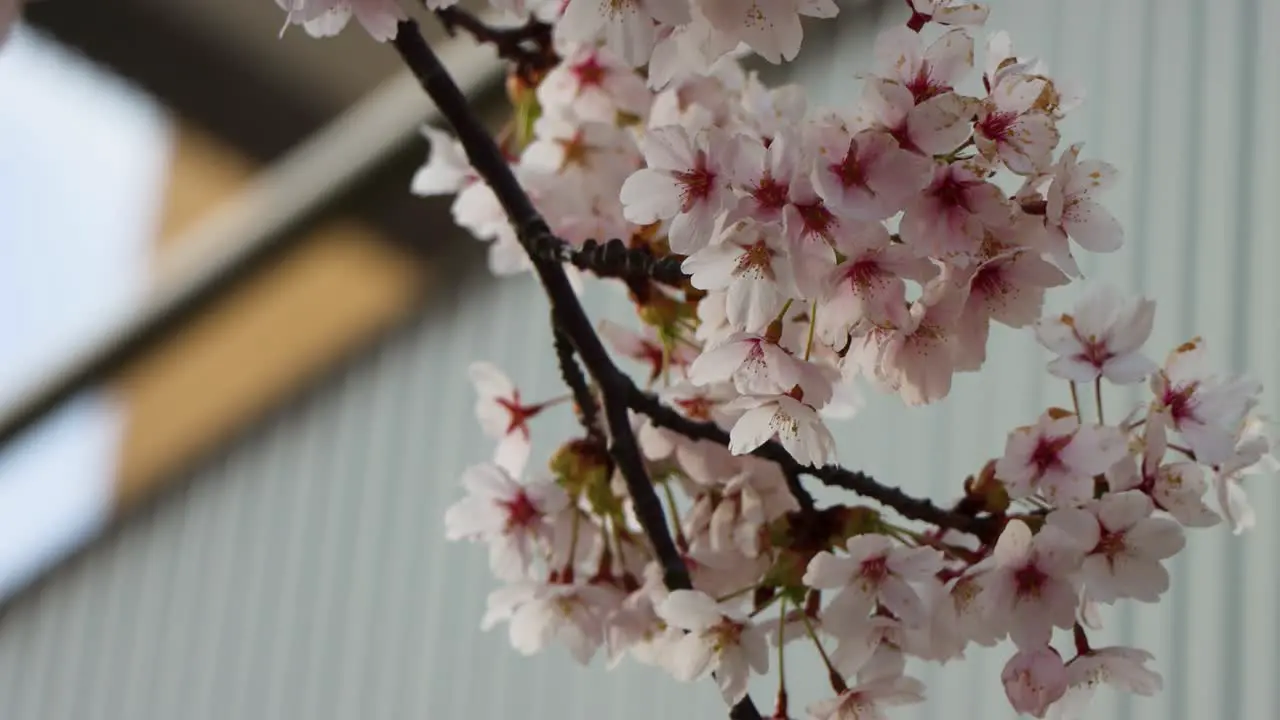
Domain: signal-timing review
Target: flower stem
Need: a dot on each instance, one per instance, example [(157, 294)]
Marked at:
[(674, 511), (837, 682), (736, 593), (1097, 398), (813, 323), (781, 707), (1075, 398)]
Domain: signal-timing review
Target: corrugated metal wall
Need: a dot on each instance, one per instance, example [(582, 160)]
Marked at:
[(305, 576)]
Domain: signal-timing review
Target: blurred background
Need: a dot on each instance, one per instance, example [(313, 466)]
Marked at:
[(243, 519)]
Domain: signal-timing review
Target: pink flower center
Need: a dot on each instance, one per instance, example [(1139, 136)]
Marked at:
[(1029, 580), (849, 170), (1179, 401), (520, 414), (990, 281), (695, 184), (951, 193), (521, 512), (1111, 545), (1047, 453), (863, 273), (997, 125), (770, 194), (818, 220), (874, 570), (923, 86), (589, 72)]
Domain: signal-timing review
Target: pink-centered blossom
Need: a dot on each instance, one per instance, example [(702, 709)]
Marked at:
[(1009, 289), (752, 263), (929, 72), (874, 570), (869, 285), (1252, 456), (794, 423), (686, 181), (935, 126), (593, 84), (1034, 679), (1012, 128), (1203, 407), (648, 348), (864, 175), (954, 215), (757, 366), (1124, 546), (1073, 212), (517, 520), (1102, 337), (503, 415), (1177, 487), (1031, 589), (720, 640), (1058, 458)]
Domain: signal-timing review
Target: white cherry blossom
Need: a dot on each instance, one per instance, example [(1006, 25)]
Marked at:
[(1031, 589), (1102, 337), (719, 639)]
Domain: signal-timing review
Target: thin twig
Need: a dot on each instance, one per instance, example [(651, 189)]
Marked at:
[(528, 46), (583, 397)]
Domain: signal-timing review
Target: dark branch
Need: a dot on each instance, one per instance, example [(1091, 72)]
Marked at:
[(528, 46), (583, 397), (569, 317), (985, 528), (612, 259)]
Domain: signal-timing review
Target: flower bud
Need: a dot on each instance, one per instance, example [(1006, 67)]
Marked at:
[(1034, 680)]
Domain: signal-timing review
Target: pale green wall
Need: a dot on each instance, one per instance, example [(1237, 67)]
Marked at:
[(306, 576)]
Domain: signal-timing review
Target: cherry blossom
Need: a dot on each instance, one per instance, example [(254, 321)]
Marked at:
[(792, 422), (1204, 408), (1102, 337), (935, 126), (1124, 546), (1177, 487), (594, 84), (953, 215), (1009, 288), (1034, 679), (867, 701), (1122, 667), (325, 18), (874, 571), (869, 286), (926, 74), (1031, 589), (719, 639), (864, 175), (447, 170), (917, 358), (1013, 129), (503, 415), (770, 27), (536, 614), (516, 519), (647, 348), (1072, 212), (627, 26), (686, 181), (751, 262), (1252, 456), (1058, 458)]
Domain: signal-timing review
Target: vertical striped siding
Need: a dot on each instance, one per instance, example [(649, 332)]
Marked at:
[(306, 577)]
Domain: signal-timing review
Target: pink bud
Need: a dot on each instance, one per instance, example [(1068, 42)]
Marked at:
[(1034, 680)]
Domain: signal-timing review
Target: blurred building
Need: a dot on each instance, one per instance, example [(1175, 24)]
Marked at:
[(270, 480)]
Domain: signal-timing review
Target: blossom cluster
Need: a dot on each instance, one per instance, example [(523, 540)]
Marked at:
[(826, 247)]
